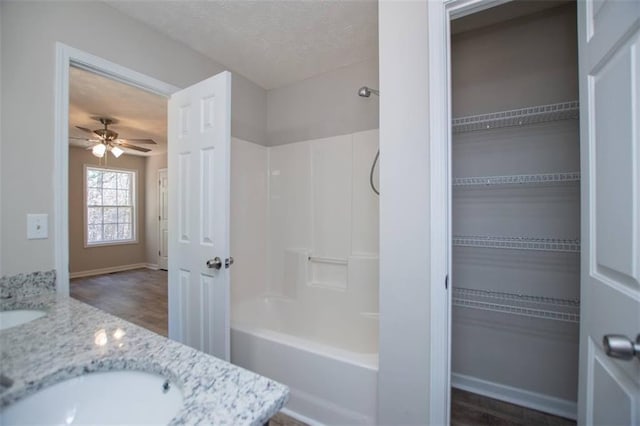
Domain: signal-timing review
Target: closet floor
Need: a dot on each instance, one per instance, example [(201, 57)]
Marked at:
[(470, 409)]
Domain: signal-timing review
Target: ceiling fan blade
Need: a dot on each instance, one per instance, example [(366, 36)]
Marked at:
[(84, 129), (129, 146), (149, 141), (82, 139)]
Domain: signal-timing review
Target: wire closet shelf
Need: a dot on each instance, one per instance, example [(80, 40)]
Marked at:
[(517, 117), (544, 178), (518, 304), (518, 243)]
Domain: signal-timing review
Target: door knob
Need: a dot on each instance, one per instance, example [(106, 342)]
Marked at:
[(214, 263), (621, 347), (228, 262)]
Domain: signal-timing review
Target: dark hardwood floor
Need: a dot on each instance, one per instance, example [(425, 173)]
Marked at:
[(138, 296), (472, 409)]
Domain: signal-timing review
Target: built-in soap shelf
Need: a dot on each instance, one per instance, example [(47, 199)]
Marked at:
[(518, 304), (517, 117), (518, 243), (530, 179)]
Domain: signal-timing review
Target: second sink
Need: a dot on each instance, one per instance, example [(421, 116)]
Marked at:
[(116, 397)]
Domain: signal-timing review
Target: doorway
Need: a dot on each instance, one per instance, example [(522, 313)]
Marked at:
[(515, 212), (117, 151), (607, 75), (72, 193)]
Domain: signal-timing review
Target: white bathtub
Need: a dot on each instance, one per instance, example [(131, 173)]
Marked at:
[(331, 369)]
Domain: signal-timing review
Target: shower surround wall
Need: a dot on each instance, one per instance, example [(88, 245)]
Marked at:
[(305, 224), (304, 234)]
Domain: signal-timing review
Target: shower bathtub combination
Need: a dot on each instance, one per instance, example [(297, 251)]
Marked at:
[(304, 301)]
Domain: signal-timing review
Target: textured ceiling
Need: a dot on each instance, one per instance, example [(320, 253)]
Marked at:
[(271, 42), (139, 114)]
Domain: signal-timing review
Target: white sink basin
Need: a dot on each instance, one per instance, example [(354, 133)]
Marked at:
[(117, 397), (10, 319)]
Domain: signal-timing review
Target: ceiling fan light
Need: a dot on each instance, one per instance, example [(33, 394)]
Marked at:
[(99, 150), (117, 152)]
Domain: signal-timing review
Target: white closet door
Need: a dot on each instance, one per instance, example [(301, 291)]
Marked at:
[(199, 161), (609, 40)]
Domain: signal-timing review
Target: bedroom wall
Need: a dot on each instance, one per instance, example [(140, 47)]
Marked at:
[(81, 258)]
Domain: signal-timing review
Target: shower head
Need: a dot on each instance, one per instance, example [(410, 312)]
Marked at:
[(365, 92)]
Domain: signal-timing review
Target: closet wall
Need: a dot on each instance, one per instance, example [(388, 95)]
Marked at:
[(516, 217)]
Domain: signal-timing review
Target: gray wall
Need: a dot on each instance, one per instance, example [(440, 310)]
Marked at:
[(29, 31), (83, 258), (498, 67), (405, 292), (323, 106)]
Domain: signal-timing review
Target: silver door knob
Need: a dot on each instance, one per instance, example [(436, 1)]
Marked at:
[(228, 262), (214, 263), (621, 347)]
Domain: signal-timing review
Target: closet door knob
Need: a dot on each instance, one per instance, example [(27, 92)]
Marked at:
[(621, 347)]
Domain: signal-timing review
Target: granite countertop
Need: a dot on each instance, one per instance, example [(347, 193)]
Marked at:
[(75, 338)]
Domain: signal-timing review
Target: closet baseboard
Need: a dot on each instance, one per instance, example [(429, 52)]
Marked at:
[(112, 269), (533, 400)]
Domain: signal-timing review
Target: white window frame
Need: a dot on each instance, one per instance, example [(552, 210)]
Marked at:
[(134, 206)]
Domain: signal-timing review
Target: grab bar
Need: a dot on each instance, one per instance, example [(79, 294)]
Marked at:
[(332, 260)]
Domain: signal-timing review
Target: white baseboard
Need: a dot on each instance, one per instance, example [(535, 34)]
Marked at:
[(152, 266), (300, 417), (112, 269), (533, 400)]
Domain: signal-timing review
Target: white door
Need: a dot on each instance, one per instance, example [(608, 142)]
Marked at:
[(609, 54), (163, 221), (199, 155)]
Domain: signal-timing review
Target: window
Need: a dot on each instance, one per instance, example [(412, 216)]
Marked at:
[(110, 206)]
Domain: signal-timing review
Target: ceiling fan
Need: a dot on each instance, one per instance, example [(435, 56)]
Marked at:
[(107, 140)]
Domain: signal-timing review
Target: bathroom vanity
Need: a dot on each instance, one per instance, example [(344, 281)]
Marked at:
[(73, 339)]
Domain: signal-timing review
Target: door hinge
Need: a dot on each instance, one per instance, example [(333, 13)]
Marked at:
[(159, 253), (446, 282)]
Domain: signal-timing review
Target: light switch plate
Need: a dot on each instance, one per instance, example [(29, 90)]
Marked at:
[(37, 226)]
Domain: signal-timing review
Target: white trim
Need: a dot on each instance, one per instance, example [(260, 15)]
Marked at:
[(459, 8), (439, 226), (440, 14), (300, 417), (112, 269), (152, 266), (534, 400), (67, 56), (329, 411)]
